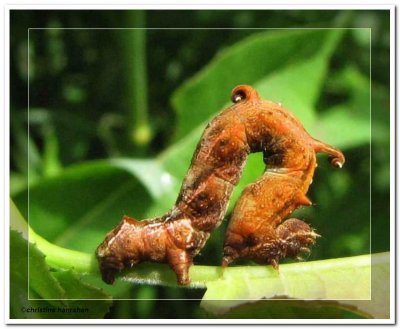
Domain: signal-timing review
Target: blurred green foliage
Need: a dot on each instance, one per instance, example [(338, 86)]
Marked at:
[(115, 114)]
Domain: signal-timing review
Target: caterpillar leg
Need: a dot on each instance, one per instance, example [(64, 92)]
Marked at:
[(180, 262), (290, 239), (110, 268), (255, 231), (296, 237), (231, 250)]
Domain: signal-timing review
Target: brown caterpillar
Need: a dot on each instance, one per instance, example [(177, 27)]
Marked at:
[(250, 125)]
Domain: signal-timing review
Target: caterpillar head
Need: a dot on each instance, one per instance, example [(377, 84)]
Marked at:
[(118, 250)]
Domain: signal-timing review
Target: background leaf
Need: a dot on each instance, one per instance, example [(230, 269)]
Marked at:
[(74, 209), (293, 309), (279, 82), (206, 93)]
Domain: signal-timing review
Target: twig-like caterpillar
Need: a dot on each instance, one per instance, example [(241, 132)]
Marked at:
[(250, 125)]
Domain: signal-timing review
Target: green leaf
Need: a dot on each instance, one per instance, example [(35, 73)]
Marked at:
[(79, 295), (77, 207), (352, 116), (47, 290), (157, 181), (55, 256), (40, 282), (379, 305), (346, 281), (292, 309), (354, 130), (61, 258), (284, 84)]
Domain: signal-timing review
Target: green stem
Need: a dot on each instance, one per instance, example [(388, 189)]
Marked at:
[(51, 160), (135, 50), (63, 258), (161, 274), (57, 257), (85, 263)]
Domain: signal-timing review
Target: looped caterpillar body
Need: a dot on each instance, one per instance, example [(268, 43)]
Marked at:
[(258, 229), (249, 125)]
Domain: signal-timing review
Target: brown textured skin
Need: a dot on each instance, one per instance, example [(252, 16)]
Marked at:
[(134, 241), (249, 125), (256, 230)]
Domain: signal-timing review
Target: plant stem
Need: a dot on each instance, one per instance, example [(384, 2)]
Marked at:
[(51, 154), (63, 258), (57, 257), (135, 50), (161, 274)]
